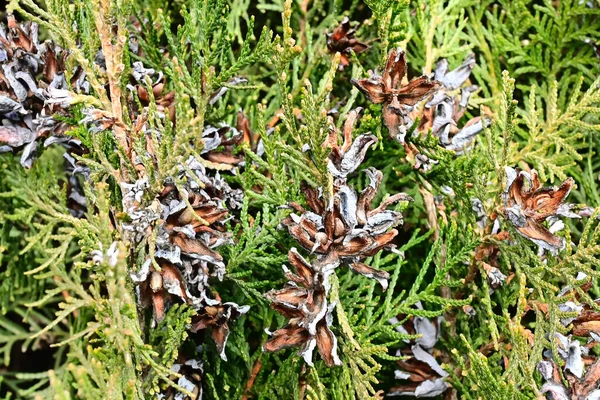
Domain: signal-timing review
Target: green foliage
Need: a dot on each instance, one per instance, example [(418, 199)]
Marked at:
[(66, 290), (438, 31)]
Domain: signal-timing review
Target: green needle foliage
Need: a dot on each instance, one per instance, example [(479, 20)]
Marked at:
[(174, 154)]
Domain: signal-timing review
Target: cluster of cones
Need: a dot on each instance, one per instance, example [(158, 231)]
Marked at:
[(420, 371), (574, 363), (33, 90), (438, 102), (185, 224), (342, 229), (35, 100), (188, 221)]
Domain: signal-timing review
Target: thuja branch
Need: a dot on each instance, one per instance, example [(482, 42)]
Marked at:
[(113, 43)]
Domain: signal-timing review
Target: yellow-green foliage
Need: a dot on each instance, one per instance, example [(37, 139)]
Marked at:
[(539, 80)]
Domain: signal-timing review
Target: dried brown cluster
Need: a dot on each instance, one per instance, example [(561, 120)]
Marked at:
[(397, 96), (189, 377), (185, 223), (182, 226), (443, 111), (346, 230), (33, 88), (143, 79), (423, 376), (217, 317), (342, 41), (342, 230), (580, 388), (528, 205), (581, 366), (304, 302), (188, 223), (33, 91), (438, 103), (223, 145), (345, 159)]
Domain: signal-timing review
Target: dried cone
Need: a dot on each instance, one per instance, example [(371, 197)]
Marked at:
[(189, 228), (344, 229), (487, 256), (345, 159), (220, 143), (189, 378), (217, 317), (527, 205), (398, 99), (342, 41), (145, 79), (587, 321), (249, 139), (348, 229), (423, 376), (190, 217), (32, 89), (443, 111), (162, 288), (304, 302), (580, 366), (582, 387), (224, 146), (192, 227)]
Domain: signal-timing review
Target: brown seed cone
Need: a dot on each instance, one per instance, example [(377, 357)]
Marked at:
[(527, 205), (32, 89), (347, 230), (190, 371), (188, 221), (342, 41), (397, 98), (422, 375), (304, 302)]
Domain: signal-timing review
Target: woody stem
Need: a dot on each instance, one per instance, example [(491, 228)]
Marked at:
[(114, 68)]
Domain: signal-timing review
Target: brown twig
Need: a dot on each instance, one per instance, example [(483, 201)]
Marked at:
[(304, 8), (302, 383), (113, 54), (253, 374)]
